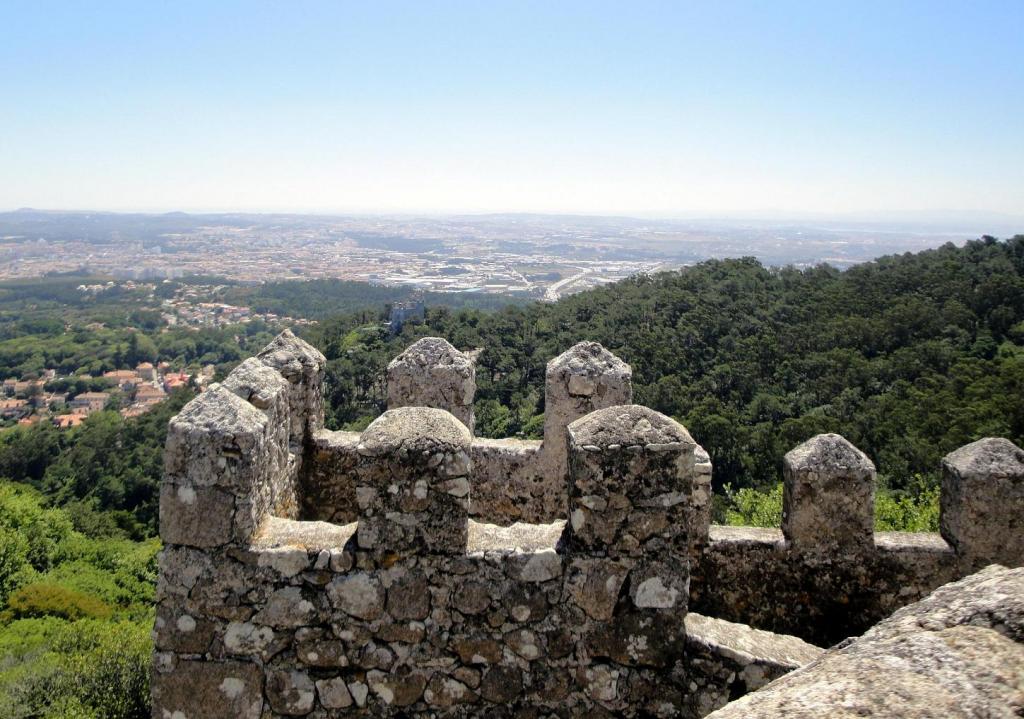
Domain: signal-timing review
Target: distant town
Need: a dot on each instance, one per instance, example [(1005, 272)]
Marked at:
[(529, 256), (51, 397)]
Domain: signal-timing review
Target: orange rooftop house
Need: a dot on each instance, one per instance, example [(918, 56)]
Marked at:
[(67, 421), (90, 401), (173, 380)]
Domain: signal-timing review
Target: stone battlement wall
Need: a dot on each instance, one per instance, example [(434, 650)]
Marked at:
[(413, 569)]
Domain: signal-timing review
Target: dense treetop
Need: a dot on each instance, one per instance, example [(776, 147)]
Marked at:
[(908, 356)]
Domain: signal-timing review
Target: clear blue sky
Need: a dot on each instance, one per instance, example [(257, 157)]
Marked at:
[(628, 107)]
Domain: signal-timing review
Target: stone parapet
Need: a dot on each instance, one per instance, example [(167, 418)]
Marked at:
[(412, 570), (303, 366), (957, 653), (827, 575), (828, 500), (412, 483), (753, 575), (983, 502)]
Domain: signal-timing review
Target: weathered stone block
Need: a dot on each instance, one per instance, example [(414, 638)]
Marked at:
[(397, 689), (195, 516), (260, 385), (287, 607), (584, 378), (359, 594), (218, 439), (982, 502), (333, 693), (631, 483), (828, 500), (445, 692), (175, 629), (413, 483), (502, 684), (290, 692), (432, 373), (209, 690), (594, 585), (302, 365)]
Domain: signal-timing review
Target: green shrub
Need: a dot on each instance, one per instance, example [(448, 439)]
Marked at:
[(112, 677), (13, 557), (893, 512), (22, 638), (86, 670), (45, 531), (905, 513), (752, 508), (43, 599)]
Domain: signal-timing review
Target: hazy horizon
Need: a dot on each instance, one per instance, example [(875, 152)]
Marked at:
[(954, 222), (654, 110)]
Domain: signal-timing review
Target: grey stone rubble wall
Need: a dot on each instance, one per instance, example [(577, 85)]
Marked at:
[(514, 480), (581, 380), (329, 485), (957, 653), (245, 593), (509, 486), (827, 576), (725, 660), (415, 609), (231, 622), (234, 454)]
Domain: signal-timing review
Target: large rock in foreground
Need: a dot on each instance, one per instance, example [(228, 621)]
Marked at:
[(957, 653)]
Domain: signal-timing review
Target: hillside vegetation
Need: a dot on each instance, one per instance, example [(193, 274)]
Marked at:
[(909, 357), (317, 299), (76, 610)]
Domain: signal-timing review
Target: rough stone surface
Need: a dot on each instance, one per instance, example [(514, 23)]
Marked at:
[(582, 379), (828, 498), (302, 365), (982, 497), (752, 575), (329, 485), (634, 490), (209, 690), (958, 653), (226, 467), (413, 488), (726, 659), (315, 573), (334, 693), (290, 693), (432, 373), (510, 484), (257, 384)]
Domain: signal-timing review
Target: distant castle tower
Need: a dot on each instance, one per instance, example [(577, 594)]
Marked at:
[(402, 312)]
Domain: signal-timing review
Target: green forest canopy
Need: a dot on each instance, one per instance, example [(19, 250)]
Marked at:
[(908, 357)]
